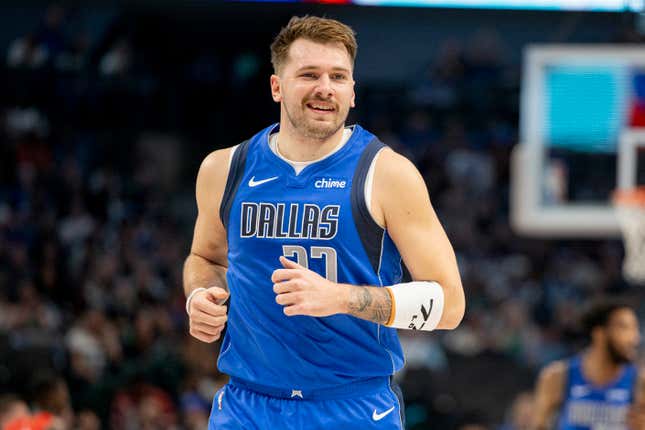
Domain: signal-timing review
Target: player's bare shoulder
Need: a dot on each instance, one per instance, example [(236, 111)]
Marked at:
[(215, 166), (212, 176), (394, 169), (553, 377), (398, 186), (555, 371)]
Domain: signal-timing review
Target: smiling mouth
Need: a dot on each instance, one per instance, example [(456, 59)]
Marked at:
[(320, 107)]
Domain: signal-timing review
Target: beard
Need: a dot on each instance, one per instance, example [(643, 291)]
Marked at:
[(616, 355), (315, 129)]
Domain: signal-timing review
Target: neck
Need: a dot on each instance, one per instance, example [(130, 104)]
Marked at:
[(295, 146), (599, 367)]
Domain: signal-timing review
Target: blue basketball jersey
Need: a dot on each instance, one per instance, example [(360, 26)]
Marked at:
[(589, 407), (319, 219)]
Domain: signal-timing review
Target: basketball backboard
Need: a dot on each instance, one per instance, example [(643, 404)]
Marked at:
[(581, 107)]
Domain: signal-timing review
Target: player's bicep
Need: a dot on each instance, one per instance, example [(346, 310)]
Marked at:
[(410, 219), (422, 242), (414, 227), (209, 240), (209, 237)]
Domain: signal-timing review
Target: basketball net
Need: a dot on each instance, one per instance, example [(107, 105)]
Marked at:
[(630, 208)]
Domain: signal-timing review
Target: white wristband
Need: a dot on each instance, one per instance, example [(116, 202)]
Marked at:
[(190, 297), (416, 305)]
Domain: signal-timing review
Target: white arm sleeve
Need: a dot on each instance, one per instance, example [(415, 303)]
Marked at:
[(416, 305)]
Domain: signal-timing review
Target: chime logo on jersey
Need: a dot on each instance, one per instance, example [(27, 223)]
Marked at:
[(330, 183), (289, 221)]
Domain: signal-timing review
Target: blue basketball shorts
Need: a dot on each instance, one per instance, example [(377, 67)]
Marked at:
[(374, 404)]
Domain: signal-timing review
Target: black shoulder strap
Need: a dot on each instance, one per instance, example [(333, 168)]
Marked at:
[(371, 234), (235, 174)]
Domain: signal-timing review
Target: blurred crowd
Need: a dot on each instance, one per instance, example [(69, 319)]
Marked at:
[(96, 210)]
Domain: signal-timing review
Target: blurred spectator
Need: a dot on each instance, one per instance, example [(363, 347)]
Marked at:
[(49, 393), (419, 134), (51, 34), (29, 124), (26, 52), (422, 352), (473, 421), (196, 399), (519, 415), (39, 421), (12, 408), (143, 407), (31, 320), (443, 79), (93, 343), (75, 56), (87, 420), (117, 61)]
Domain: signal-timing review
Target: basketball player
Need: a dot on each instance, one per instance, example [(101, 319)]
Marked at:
[(305, 224), (601, 388)]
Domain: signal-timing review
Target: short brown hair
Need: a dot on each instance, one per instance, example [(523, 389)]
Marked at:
[(316, 29)]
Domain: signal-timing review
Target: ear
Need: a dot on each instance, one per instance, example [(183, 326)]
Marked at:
[(352, 103), (275, 88)]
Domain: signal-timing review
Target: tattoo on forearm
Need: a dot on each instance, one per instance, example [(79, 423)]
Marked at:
[(370, 303), (364, 299)]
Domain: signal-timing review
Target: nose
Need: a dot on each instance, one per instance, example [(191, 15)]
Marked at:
[(323, 87)]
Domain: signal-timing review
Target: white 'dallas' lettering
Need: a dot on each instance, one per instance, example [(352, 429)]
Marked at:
[(295, 221), (595, 414), (329, 183)]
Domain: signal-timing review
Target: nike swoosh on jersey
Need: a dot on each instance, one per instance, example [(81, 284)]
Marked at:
[(378, 417), (254, 183)]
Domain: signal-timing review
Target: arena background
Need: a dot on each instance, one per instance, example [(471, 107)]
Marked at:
[(106, 110)]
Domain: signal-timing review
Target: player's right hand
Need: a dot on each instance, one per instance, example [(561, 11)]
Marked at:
[(207, 314)]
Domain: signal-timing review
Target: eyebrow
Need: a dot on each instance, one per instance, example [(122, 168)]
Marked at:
[(336, 68)]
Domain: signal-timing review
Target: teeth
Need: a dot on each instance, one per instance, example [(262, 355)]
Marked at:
[(321, 107)]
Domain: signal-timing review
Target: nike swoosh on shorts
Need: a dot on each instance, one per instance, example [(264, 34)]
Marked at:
[(378, 417)]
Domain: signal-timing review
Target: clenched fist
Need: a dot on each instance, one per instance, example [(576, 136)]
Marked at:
[(304, 292), (207, 314)]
